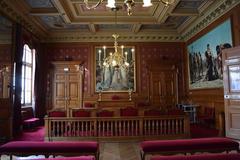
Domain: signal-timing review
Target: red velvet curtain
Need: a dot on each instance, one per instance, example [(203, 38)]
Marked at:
[(40, 74), (25, 37), (40, 83)]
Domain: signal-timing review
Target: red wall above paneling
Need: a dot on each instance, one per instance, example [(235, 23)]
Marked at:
[(144, 52)]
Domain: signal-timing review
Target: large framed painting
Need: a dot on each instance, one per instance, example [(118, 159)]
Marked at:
[(205, 57), (118, 78)]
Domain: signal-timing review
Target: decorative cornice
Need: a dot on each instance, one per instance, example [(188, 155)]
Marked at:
[(80, 37), (214, 13)]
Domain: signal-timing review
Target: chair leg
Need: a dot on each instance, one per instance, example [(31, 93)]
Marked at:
[(142, 154)]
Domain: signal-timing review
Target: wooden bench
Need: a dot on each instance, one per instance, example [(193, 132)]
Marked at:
[(63, 148), (230, 156), (185, 146)]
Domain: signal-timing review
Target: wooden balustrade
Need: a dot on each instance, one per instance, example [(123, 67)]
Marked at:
[(116, 128)]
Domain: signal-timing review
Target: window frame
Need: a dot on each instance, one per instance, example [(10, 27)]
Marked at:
[(25, 65)]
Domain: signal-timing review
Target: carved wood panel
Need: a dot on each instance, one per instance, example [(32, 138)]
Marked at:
[(67, 85), (163, 84)]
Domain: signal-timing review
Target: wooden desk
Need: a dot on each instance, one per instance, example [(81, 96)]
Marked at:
[(191, 109), (115, 103)]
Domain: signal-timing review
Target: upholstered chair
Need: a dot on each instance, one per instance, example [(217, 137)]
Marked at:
[(153, 112), (105, 113), (207, 118), (129, 112), (57, 114), (175, 111), (81, 113)]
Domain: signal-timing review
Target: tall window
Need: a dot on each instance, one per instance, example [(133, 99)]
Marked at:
[(28, 65)]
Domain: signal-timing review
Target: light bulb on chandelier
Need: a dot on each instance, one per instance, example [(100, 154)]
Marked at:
[(129, 3), (116, 59)]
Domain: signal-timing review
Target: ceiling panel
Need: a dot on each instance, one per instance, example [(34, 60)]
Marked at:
[(40, 3), (69, 15)]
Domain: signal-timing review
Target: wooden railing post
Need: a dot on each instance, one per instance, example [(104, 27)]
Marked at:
[(141, 126), (46, 122), (186, 125), (71, 128)]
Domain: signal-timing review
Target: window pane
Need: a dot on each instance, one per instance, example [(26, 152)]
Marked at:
[(24, 53), (28, 72), (29, 56), (27, 97), (23, 71), (22, 97), (28, 85)]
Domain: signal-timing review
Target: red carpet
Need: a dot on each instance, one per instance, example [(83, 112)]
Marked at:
[(200, 131), (36, 134)]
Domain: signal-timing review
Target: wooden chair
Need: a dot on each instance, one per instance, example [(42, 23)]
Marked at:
[(154, 112), (105, 113), (81, 113), (129, 112), (208, 117), (57, 114)]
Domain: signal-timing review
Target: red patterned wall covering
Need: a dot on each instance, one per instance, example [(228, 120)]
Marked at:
[(144, 51), (162, 51), (78, 53), (5, 58), (5, 53)]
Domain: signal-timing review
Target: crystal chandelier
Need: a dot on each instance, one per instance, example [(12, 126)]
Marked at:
[(129, 3), (116, 59)]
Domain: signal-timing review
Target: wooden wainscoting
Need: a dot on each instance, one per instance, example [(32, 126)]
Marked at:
[(212, 98)]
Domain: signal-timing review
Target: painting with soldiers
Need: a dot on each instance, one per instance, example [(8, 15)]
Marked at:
[(205, 57)]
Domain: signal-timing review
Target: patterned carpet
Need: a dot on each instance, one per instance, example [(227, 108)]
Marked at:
[(108, 151)]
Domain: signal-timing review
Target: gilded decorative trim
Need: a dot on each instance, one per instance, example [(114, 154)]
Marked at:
[(215, 13), (122, 38)]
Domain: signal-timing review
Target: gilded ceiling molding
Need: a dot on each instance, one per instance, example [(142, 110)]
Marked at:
[(108, 38), (202, 22)]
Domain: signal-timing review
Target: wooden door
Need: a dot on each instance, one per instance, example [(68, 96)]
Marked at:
[(231, 77), (163, 85), (59, 93), (67, 85), (73, 90)]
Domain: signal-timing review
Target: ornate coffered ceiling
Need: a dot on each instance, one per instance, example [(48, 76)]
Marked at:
[(70, 20)]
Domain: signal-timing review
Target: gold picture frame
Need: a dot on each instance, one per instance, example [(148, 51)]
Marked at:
[(114, 79)]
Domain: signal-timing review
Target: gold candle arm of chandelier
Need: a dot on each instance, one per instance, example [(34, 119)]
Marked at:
[(93, 6), (167, 2), (115, 59), (129, 3)]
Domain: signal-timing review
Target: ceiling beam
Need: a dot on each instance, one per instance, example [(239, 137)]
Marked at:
[(136, 28), (61, 10), (44, 11), (92, 28), (163, 11), (184, 14)]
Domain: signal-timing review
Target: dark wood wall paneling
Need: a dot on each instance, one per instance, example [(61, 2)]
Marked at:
[(5, 58), (214, 97)]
